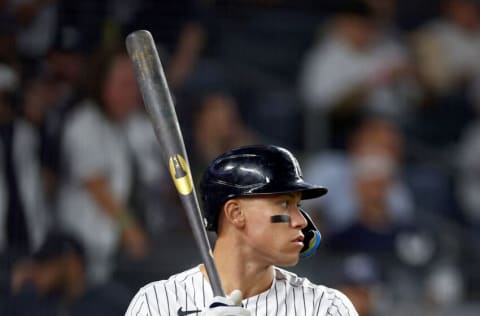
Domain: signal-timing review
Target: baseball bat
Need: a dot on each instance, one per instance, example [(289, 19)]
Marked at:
[(158, 102)]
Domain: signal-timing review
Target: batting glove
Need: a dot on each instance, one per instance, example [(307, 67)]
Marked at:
[(226, 306)]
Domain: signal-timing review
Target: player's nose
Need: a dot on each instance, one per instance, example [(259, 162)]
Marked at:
[(298, 220)]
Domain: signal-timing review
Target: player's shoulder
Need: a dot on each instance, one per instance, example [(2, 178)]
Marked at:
[(159, 293), (330, 301), (293, 279), (185, 276), (174, 280)]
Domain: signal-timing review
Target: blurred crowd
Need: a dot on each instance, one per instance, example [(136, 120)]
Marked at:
[(380, 99)]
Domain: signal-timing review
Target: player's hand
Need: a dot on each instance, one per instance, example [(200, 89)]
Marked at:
[(226, 306)]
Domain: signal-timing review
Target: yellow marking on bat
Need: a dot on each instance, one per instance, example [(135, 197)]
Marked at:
[(181, 175)]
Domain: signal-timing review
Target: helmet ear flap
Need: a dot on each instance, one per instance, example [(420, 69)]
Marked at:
[(312, 237)]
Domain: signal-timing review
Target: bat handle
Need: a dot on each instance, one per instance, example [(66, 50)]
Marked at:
[(205, 249), (217, 288)]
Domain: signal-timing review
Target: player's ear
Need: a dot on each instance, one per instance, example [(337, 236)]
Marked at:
[(234, 214)]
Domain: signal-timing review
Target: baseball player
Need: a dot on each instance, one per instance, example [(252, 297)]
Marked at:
[(251, 199)]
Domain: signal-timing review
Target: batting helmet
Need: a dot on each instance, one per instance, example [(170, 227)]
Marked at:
[(251, 170)]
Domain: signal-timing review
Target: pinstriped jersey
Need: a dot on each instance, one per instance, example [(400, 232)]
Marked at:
[(188, 293)]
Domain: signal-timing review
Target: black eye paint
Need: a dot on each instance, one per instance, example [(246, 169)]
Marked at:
[(280, 219)]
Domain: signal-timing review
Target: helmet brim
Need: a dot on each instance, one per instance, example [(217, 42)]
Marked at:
[(308, 191), (313, 193)]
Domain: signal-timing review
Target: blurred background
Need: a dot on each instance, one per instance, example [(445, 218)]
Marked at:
[(379, 100)]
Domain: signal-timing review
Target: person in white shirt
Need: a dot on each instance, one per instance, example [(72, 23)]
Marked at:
[(448, 47), (96, 178), (356, 67)]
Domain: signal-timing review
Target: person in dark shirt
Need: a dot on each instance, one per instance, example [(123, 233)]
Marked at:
[(374, 230), (54, 283)]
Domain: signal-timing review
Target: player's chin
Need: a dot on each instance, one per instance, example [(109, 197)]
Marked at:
[(289, 260)]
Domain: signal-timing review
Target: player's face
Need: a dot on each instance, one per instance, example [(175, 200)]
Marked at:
[(276, 241)]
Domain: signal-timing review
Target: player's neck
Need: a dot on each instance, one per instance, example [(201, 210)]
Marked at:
[(237, 271)]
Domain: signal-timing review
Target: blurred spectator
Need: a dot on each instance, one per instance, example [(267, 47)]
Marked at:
[(157, 207), (218, 127), (154, 195), (374, 138), (23, 214), (22, 207), (448, 48), (54, 283), (361, 281), (447, 51), (369, 207), (380, 227), (64, 71), (96, 182), (356, 67), (374, 229)]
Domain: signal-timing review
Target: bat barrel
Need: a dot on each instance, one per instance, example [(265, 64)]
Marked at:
[(154, 89), (159, 105)]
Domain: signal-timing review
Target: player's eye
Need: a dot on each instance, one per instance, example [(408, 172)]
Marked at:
[(284, 204)]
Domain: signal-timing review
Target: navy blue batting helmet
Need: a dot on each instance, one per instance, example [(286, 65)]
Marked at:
[(251, 170)]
